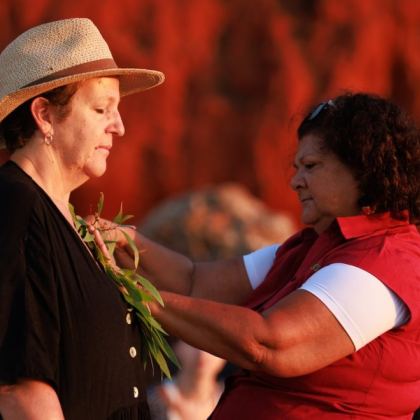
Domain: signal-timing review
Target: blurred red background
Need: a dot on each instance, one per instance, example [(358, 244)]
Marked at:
[(240, 74)]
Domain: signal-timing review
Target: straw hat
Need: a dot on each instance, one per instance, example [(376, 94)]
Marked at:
[(58, 53)]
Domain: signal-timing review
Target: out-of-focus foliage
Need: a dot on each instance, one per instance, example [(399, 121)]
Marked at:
[(239, 76)]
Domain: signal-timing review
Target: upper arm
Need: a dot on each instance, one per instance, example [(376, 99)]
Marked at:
[(29, 399), (338, 310), (231, 281), (363, 304), (222, 281), (29, 315), (301, 336)]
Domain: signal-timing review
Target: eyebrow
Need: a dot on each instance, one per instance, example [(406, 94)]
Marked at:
[(303, 158), (112, 99), (109, 98)]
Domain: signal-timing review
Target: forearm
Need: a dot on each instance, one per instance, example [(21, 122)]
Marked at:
[(29, 400), (167, 269), (228, 331), (223, 281), (297, 336)]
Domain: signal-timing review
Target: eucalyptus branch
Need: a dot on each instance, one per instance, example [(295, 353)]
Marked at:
[(136, 290)]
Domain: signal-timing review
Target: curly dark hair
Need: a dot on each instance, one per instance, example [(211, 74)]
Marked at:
[(378, 142), (19, 126)]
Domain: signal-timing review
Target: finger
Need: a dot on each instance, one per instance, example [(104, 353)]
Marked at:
[(114, 232), (124, 259), (106, 224), (100, 242), (132, 227), (90, 219)]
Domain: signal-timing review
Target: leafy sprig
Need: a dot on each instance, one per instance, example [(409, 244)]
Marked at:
[(136, 289)]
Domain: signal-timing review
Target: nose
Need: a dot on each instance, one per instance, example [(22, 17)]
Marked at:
[(117, 126), (297, 181)]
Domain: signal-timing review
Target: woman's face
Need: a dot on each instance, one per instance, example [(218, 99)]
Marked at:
[(84, 138), (326, 187)]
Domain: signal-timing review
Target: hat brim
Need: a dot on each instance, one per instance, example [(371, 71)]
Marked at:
[(131, 81)]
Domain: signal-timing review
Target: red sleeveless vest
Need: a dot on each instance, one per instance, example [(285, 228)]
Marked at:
[(382, 379)]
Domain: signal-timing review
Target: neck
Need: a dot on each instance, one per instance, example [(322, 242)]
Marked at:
[(43, 164)]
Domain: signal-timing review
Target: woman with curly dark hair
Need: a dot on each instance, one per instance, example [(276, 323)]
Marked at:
[(327, 325), (379, 144)]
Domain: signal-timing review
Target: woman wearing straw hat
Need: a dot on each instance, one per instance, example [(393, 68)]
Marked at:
[(69, 346)]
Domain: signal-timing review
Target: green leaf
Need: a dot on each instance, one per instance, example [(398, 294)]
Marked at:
[(82, 221), (121, 218), (148, 318), (118, 218), (100, 205), (111, 246), (142, 312), (88, 237), (150, 288), (167, 349), (72, 211), (135, 289), (76, 219), (125, 218), (133, 247), (158, 356)]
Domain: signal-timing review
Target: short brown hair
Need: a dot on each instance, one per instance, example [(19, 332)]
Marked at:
[(19, 126)]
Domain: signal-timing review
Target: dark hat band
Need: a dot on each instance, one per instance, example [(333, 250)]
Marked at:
[(103, 64)]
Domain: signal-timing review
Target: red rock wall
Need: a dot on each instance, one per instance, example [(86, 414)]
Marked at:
[(240, 75)]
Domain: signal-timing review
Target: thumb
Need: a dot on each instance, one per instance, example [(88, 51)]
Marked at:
[(123, 258)]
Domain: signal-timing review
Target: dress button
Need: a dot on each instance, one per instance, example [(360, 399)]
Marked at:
[(128, 318), (133, 352), (135, 392)]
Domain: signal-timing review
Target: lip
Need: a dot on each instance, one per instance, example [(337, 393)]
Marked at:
[(106, 148), (304, 200)]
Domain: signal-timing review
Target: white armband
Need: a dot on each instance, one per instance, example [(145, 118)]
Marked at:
[(362, 304), (258, 264)]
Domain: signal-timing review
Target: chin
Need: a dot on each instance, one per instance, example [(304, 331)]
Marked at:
[(96, 171), (309, 219), (318, 224)]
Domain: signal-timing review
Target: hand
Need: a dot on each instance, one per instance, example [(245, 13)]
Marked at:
[(100, 243), (111, 231), (105, 230)]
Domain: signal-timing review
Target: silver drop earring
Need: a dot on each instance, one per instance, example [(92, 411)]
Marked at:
[(48, 139)]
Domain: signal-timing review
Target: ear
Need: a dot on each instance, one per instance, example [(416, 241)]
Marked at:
[(41, 112)]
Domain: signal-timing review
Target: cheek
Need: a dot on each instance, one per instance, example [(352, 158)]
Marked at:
[(320, 189), (85, 138)]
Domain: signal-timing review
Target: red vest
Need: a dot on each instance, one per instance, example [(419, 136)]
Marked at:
[(379, 381)]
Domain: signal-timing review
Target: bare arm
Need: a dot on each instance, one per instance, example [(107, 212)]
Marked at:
[(29, 400), (223, 281), (297, 336)]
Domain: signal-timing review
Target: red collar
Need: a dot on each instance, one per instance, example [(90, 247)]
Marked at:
[(361, 225)]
